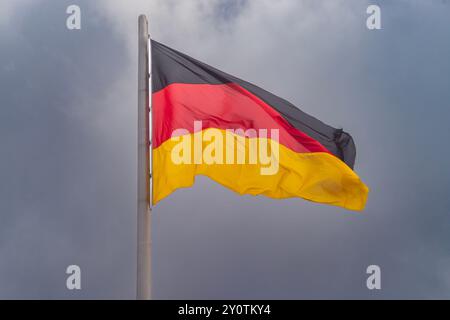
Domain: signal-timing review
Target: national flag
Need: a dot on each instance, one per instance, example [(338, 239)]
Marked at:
[(315, 160)]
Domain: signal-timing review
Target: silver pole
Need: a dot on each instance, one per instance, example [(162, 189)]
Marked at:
[(144, 243)]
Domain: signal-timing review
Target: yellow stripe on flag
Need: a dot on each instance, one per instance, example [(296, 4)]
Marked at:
[(318, 177)]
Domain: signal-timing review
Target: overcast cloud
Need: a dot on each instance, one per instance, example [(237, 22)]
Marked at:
[(68, 151)]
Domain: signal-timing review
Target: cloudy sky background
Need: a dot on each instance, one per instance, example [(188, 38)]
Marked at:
[(68, 151)]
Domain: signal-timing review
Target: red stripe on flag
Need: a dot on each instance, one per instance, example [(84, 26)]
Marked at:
[(221, 106)]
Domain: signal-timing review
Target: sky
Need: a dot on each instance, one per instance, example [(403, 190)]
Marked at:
[(68, 130)]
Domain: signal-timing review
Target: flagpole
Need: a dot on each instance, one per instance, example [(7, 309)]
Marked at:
[(144, 243)]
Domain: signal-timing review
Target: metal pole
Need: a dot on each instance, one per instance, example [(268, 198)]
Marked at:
[(144, 243)]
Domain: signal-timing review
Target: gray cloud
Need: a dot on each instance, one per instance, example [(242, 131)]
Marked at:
[(67, 131)]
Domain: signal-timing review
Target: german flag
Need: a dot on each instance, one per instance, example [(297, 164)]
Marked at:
[(243, 137)]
